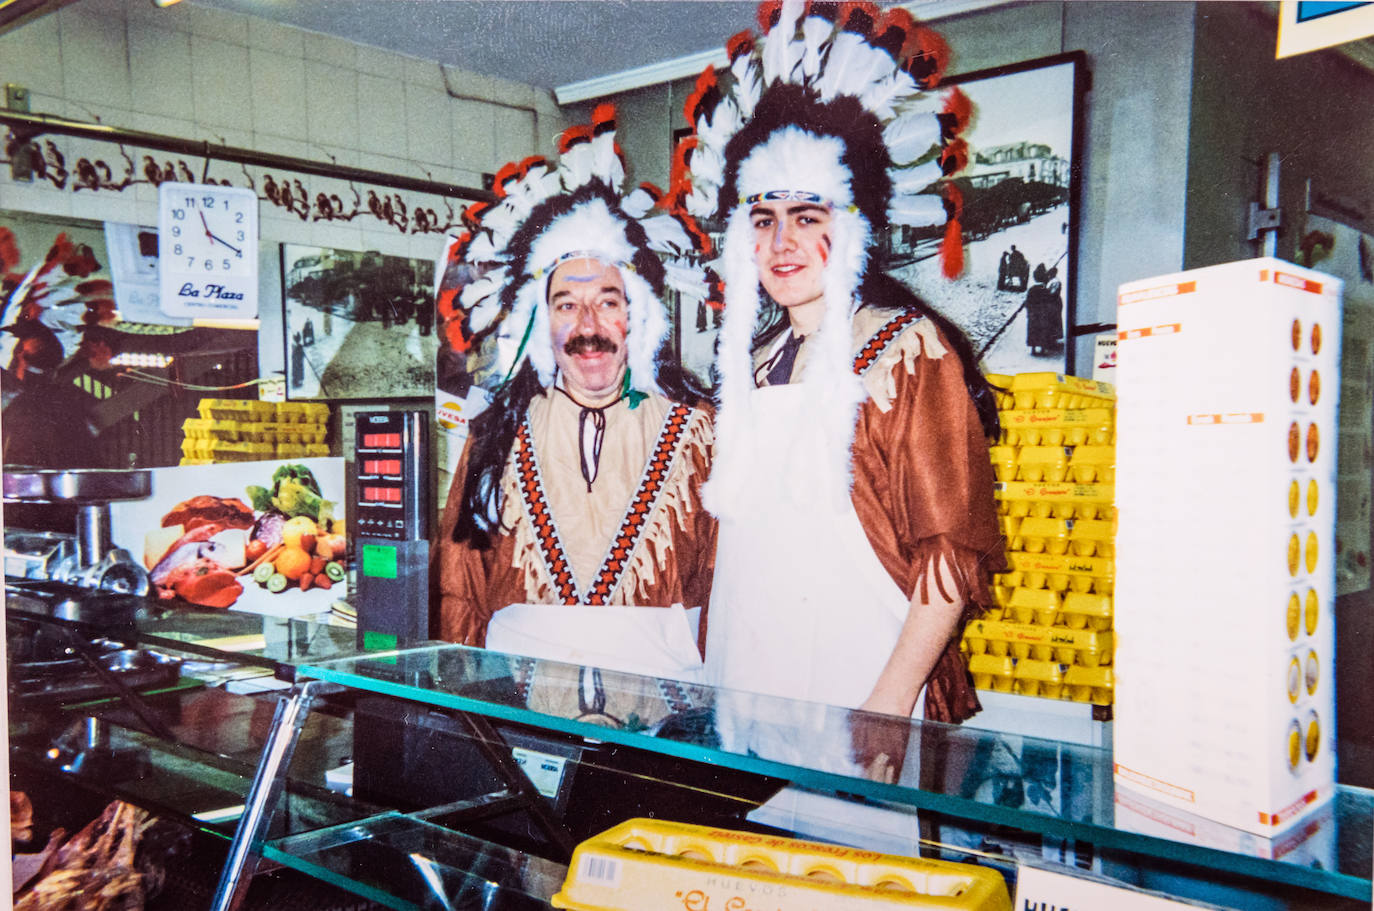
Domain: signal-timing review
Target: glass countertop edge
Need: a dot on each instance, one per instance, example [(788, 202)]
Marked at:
[(282, 850), (324, 874), (1103, 836)]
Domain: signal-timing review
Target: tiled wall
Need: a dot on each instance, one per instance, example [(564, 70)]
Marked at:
[(205, 74)]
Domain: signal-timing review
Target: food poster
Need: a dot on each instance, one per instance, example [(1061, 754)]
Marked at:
[(263, 537)]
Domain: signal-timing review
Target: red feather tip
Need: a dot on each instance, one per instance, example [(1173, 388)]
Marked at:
[(866, 10), (603, 112), (705, 83), (511, 170), (768, 13), (739, 43), (700, 238), (456, 339), (572, 136), (952, 250), (680, 178), (472, 215), (957, 152), (896, 17), (932, 44), (958, 104)]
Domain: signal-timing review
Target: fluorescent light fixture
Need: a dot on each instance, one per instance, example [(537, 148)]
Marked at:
[(140, 359), (163, 4), (639, 77)]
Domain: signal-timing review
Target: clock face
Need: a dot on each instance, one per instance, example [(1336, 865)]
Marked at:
[(208, 250)]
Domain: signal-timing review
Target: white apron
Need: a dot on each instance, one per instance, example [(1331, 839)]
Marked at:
[(801, 607)]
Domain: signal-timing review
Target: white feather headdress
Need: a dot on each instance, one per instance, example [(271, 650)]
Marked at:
[(547, 212), (835, 101), (885, 60)]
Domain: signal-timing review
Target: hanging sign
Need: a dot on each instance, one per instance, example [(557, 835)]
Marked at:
[(1309, 26)]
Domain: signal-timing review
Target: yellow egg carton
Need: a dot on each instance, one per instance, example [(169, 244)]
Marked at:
[(1042, 679), (242, 452), (210, 429), (236, 410), (1088, 684), (1057, 426), (1001, 389), (189, 461), (652, 865), (283, 432), (301, 450), (198, 448), (1039, 606), (1046, 606), (1082, 647), (993, 672), (1063, 500), (1040, 535), (1004, 462), (1042, 463), (1093, 464), (1086, 610), (301, 413), (1055, 390), (1038, 678), (1042, 566)]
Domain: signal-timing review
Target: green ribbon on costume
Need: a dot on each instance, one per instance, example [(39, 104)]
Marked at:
[(524, 340), (634, 395)]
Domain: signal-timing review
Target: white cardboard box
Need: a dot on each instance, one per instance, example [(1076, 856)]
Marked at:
[(1227, 385)]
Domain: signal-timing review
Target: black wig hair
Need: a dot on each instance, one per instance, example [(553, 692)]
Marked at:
[(493, 431)]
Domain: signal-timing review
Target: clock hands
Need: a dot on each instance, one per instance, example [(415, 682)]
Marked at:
[(214, 237)]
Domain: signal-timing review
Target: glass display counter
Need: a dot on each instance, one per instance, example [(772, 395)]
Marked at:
[(854, 771), (680, 750)]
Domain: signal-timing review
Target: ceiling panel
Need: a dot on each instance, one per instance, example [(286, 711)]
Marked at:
[(545, 44)]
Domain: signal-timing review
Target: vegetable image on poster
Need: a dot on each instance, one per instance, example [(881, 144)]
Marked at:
[(263, 537)]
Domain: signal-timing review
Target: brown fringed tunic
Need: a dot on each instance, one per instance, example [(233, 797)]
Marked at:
[(640, 536), (922, 478)]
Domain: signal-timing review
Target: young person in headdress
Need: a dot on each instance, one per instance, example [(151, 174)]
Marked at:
[(579, 483), (852, 477)]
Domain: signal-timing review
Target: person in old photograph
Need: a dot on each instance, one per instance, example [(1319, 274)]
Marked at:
[(1044, 312), (579, 485), (852, 478)]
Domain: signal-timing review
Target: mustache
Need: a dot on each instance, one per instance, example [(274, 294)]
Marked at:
[(589, 344)]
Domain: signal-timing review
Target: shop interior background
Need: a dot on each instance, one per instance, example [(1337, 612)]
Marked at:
[(1185, 102)]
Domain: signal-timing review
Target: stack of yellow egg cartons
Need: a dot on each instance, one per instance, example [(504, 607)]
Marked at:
[(245, 430), (1050, 634)]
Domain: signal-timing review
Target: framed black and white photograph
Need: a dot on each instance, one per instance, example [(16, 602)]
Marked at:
[(359, 325), (1020, 197)]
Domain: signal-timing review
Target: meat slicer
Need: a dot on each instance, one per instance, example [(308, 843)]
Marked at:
[(84, 560)]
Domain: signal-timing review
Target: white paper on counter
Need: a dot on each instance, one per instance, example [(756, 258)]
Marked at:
[(653, 641)]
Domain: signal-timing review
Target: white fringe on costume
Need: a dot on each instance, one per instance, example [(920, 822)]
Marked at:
[(653, 547)]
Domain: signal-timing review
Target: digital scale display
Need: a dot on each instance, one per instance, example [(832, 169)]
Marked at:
[(388, 464), (391, 526)]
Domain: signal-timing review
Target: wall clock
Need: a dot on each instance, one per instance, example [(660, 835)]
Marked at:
[(207, 251)]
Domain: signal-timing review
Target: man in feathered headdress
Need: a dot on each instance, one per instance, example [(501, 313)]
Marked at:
[(579, 484), (852, 477)]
